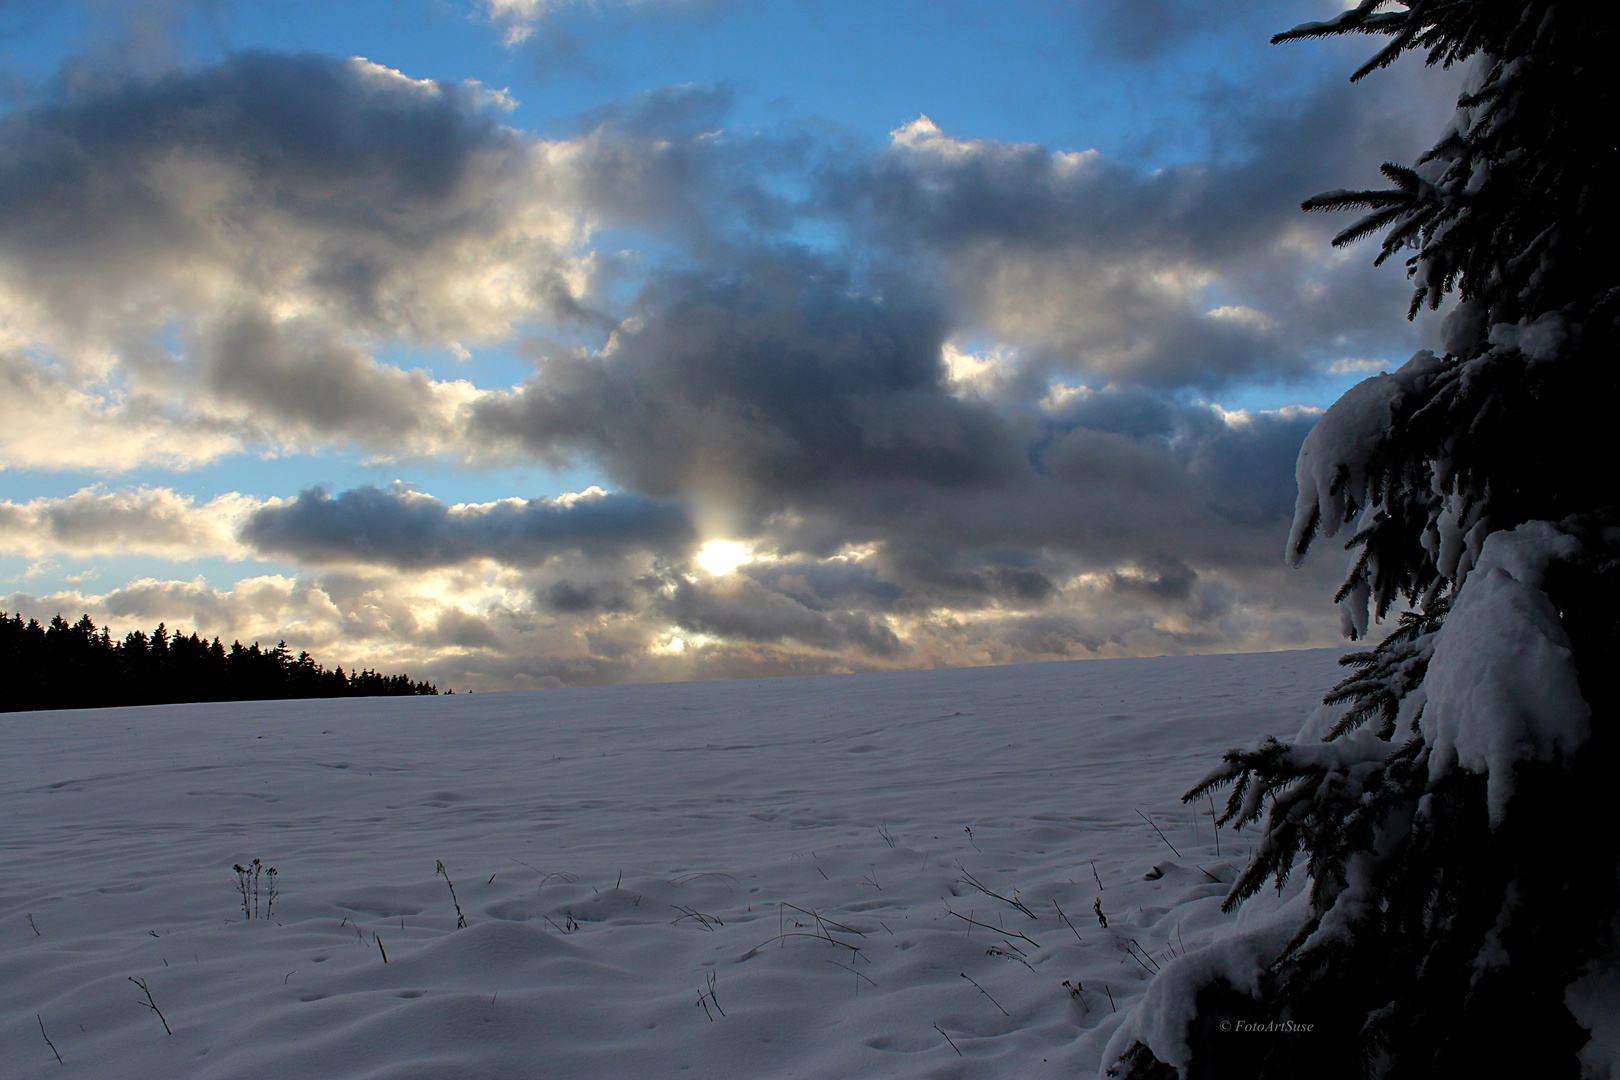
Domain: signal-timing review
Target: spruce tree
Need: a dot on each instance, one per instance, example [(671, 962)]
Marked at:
[(1450, 802)]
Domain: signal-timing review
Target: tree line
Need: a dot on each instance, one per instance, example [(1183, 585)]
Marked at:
[(81, 666)]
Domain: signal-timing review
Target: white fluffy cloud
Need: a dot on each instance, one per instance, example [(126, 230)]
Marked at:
[(146, 521)]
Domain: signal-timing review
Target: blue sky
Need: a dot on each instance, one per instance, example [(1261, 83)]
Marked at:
[(559, 343)]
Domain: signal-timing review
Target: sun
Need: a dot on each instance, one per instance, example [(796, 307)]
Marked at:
[(720, 557)]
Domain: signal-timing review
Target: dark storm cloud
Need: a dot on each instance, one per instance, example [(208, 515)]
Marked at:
[(1053, 635), (820, 585), (781, 387), (402, 528), (1168, 578), (1191, 274), (1140, 30), (302, 376), (741, 608), (1246, 468), (762, 382), (934, 571), (324, 140), (570, 597)]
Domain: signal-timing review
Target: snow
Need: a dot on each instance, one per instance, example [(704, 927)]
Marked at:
[(1537, 340), (1333, 463), (1463, 328), (1238, 955), (1501, 687), (1594, 1001), (619, 852)]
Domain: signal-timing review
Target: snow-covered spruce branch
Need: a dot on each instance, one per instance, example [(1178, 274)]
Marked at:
[(1329, 799)]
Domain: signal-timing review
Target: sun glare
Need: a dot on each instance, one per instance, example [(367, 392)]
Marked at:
[(721, 557)]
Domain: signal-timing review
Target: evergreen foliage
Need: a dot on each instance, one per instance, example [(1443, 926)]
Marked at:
[(78, 666), (1444, 928)]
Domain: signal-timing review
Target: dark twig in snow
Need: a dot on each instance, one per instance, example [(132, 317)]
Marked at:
[(987, 926), (1066, 921), (823, 936), (149, 1003), (710, 996), (1076, 990), (727, 880), (1156, 829), (47, 1039), (986, 993), (949, 1040), (708, 922), (1133, 953), (969, 879), (840, 927), (461, 920), (1011, 952), (858, 975)]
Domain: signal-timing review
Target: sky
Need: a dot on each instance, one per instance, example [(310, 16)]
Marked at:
[(527, 343)]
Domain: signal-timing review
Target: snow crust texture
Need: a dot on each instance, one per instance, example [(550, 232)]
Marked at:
[(802, 853)]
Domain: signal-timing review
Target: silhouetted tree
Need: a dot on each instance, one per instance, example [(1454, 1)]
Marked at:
[(66, 666)]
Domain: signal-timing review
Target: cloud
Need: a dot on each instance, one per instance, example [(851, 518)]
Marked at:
[(482, 630), (521, 21), (972, 419), (48, 421), (146, 521), (739, 608), (229, 246), (405, 528), (754, 384), (1144, 30), (315, 184), (1189, 275), (293, 378), (240, 235)]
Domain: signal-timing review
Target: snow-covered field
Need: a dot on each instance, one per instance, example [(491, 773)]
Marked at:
[(766, 878)]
